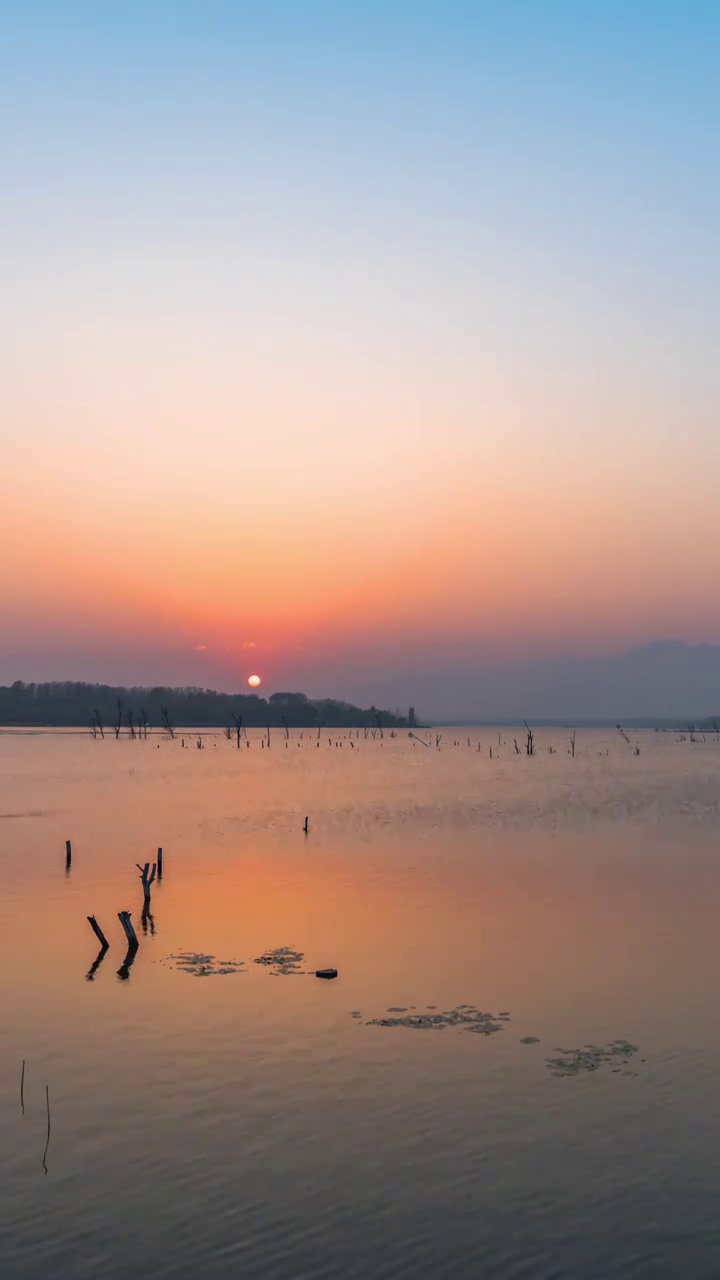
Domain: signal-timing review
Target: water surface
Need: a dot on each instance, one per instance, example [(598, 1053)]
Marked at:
[(247, 1123)]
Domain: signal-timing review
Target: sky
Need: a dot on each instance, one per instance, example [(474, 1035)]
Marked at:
[(357, 345)]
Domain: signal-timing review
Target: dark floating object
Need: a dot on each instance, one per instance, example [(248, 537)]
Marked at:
[(326, 973)]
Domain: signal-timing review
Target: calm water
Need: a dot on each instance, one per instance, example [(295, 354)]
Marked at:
[(247, 1124)]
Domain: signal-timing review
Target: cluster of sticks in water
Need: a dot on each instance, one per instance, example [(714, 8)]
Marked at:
[(139, 729), (137, 725), (281, 960), (148, 873)]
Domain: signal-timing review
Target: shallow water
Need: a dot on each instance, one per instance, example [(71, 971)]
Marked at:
[(257, 1122)]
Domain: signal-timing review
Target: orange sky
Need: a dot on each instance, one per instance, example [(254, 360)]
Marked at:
[(410, 362)]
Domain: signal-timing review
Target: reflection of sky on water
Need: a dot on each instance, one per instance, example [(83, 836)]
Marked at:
[(266, 1129)]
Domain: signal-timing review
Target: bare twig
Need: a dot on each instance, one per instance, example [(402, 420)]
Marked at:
[(47, 1144)]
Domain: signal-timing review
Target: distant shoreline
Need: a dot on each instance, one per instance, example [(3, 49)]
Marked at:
[(139, 709)]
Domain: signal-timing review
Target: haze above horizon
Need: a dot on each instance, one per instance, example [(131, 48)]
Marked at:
[(369, 349)]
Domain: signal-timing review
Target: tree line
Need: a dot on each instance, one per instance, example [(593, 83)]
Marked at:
[(140, 709)]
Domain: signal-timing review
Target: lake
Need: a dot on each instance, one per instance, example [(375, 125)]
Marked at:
[(215, 1117)]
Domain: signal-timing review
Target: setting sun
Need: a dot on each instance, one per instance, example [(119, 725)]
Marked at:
[(254, 681)]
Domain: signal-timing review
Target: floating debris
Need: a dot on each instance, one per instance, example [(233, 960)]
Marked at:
[(282, 960), (465, 1016), (356, 1013), (202, 965), (591, 1057), (530, 1040), (326, 973)]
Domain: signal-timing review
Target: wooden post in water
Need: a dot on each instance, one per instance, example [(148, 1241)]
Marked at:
[(159, 864), (98, 933), (133, 944), (68, 854), (146, 877), (90, 975), (147, 919), (130, 934), (127, 964), (306, 826)]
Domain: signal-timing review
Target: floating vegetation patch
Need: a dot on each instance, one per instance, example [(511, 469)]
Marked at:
[(202, 965), (530, 1040), (282, 960), (465, 1016), (575, 1062)]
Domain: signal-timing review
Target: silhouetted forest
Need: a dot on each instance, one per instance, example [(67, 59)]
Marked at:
[(104, 707)]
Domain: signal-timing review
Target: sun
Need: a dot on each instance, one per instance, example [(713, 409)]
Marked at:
[(254, 682)]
